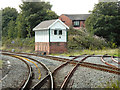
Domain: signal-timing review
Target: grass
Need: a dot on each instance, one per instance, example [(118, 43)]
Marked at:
[(19, 49), (115, 85), (89, 52), (0, 63)]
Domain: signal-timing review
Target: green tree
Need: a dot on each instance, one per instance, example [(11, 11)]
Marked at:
[(8, 14), (0, 24), (20, 26), (105, 21), (11, 29), (36, 12)]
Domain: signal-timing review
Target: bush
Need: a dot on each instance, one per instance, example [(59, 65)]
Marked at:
[(79, 39), (19, 43)]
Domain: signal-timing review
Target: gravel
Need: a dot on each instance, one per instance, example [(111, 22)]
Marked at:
[(110, 61), (51, 64), (61, 74), (13, 73), (82, 78), (95, 60), (91, 78)]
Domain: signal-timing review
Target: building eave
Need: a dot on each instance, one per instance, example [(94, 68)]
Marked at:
[(40, 29)]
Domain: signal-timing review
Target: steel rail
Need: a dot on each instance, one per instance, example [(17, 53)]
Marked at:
[(90, 65), (84, 64), (100, 68), (73, 62), (99, 65), (23, 87), (39, 85), (115, 60), (36, 86), (97, 56), (107, 63), (69, 75), (66, 62)]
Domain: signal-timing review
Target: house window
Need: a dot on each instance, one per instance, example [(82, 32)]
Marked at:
[(76, 23), (60, 32), (55, 32)]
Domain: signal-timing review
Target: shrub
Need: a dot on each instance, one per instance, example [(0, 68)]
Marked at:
[(80, 39), (19, 43)]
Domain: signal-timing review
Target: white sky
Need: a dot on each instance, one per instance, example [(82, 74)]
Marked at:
[(59, 6)]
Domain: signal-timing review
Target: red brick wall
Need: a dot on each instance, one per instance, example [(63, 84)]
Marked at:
[(42, 46), (58, 47), (66, 20), (69, 22), (52, 47), (82, 23)]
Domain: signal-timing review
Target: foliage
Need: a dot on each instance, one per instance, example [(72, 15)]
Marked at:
[(19, 44), (11, 29), (104, 21), (17, 27), (20, 26), (0, 24), (36, 12), (78, 39), (8, 14)]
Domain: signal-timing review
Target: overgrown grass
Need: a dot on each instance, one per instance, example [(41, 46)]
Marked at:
[(111, 84), (89, 52), (19, 45), (0, 63)]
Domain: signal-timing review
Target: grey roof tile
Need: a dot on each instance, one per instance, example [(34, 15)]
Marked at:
[(44, 24), (77, 16)]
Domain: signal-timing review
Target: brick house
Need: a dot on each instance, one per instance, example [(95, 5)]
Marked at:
[(75, 20), (51, 36)]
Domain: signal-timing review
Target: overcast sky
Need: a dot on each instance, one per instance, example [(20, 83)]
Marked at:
[(59, 6)]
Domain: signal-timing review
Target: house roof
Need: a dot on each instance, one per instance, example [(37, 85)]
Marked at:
[(47, 24), (44, 24), (77, 16)]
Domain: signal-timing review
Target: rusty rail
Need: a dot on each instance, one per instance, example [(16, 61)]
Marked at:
[(69, 75), (115, 60), (102, 59), (39, 85), (72, 61)]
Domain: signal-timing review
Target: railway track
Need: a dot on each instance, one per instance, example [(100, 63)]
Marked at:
[(29, 81), (82, 62), (112, 57), (109, 69), (69, 75), (111, 65), (74, 62), (25, 83)]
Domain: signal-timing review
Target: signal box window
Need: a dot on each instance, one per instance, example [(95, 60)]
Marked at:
[(55, 32), (60, 32)]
